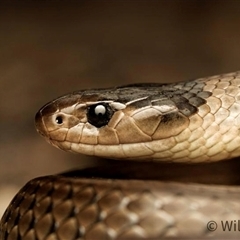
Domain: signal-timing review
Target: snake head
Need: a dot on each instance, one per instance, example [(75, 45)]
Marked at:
[(126, 122), (78, 120)]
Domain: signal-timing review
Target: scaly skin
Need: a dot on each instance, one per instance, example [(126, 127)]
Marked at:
[(194, 121)]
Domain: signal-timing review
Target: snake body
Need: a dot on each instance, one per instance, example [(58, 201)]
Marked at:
[(194, 121)]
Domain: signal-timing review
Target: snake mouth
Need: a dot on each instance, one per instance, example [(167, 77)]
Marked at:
[(39, 124), (41, 128)]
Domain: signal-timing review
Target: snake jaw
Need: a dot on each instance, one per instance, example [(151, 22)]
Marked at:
[(40, 127)]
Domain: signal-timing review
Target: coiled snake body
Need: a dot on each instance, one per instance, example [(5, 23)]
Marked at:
[(191, 122)]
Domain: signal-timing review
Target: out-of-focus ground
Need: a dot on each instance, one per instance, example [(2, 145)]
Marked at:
[(47, 50)]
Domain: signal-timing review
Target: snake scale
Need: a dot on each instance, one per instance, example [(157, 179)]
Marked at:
[(144, 125)]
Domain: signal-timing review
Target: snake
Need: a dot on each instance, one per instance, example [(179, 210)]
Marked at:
[(143, 127)]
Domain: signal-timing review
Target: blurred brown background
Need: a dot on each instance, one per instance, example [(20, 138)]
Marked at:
[(49, 49)]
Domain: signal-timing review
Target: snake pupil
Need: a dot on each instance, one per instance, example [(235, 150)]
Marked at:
[(99, 114)]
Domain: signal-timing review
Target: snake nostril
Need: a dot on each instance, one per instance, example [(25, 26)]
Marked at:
[(43, 118), (59, 119)]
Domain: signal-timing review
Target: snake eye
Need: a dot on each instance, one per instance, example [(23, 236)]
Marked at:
[(59, 119), (99, 114)]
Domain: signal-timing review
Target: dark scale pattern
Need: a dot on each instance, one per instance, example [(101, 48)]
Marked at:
[(144, 93), (74, 209), (186, 96)]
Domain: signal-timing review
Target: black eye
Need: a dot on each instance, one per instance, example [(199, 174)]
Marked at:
[(59, 120), (99, 114)]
